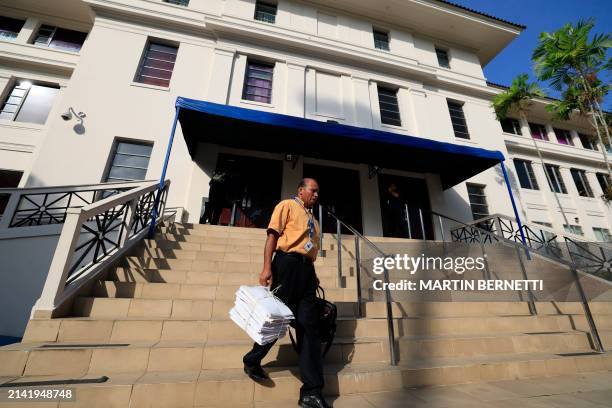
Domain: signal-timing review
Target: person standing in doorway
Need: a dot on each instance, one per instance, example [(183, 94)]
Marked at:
[(293, 239)]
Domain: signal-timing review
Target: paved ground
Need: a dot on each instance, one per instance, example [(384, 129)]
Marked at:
[(591, 390)]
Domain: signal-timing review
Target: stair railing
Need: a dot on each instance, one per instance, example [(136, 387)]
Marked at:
[(96, 235), (594, 258), (358, 239), (489, 230)]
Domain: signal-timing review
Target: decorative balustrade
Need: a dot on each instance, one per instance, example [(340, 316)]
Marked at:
[(591, 257), (94, 236), (49, 205)]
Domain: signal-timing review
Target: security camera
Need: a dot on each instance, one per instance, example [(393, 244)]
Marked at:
[(67, 115)]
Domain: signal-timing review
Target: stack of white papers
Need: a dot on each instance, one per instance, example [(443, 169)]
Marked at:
[(263, 316)]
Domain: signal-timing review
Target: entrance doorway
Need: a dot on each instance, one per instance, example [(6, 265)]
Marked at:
[(340, 193), (396, 193), (243, 191)]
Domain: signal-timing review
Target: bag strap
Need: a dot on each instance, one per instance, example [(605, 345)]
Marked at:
[(321, 292)]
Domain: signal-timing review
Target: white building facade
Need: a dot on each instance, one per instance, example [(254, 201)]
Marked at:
[(414, 68)]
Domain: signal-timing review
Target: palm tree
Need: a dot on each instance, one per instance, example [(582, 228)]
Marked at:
[(573, 64), (517, 99)]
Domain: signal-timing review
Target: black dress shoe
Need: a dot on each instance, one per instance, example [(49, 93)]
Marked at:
[(256, 373), (313, 401)]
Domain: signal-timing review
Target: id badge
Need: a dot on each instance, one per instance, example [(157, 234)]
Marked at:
[(308, 246)]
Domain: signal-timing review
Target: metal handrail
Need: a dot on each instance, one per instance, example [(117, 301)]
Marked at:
[(358, 236), (519, 245)]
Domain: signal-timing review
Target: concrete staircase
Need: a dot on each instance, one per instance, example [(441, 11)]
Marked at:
[(157, 326)]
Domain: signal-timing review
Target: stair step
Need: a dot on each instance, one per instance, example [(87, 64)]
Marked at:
[(39, 359), (231, 387), (221, 279)]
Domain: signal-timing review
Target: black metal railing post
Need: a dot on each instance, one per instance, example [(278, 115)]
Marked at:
[(422, 224), (358, 276), (390, 327), (408, 221), (531, 302)]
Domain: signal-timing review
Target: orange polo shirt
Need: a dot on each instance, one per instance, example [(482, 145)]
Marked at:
[(290, 221)]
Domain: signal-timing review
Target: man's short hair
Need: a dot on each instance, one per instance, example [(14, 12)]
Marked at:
[(303, 181)]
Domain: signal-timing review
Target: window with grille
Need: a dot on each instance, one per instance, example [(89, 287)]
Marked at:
[(587, 141), (265, 12), (184, 3), (555, 181), (130, 161), (510, 125), (582, 184), (604, 181), (157, 64), (443, 59), (563, 136), (455, 110), (10, 27), (389, 106), (258, 82), (538, 131), (381, 40), (59, 38), (478, 200), (525, 173), (28, 102), (602, 234)]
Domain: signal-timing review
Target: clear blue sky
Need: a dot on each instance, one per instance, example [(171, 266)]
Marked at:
[(538, 16)]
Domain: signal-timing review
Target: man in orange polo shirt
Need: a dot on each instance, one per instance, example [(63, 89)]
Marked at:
[(293, 238)]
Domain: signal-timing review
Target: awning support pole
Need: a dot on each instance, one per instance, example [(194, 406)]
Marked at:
[(516, 214), (162, 178)]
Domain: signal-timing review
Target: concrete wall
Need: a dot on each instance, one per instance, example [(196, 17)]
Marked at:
[(24, 263)]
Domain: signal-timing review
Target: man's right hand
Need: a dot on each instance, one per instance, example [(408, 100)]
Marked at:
[(265, 277)]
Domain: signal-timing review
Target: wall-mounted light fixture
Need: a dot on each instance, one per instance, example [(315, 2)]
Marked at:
[(69, 114)]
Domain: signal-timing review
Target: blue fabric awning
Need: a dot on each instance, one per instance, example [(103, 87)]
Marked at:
[(237, 127)]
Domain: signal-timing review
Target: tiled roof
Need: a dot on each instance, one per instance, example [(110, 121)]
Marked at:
[(522, 27)]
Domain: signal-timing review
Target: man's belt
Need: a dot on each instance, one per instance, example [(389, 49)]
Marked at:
[(302, 258)]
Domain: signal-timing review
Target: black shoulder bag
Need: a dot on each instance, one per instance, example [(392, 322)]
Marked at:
[(328, 312)]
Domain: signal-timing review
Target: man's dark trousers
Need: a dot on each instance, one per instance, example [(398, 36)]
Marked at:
[(297, 280)]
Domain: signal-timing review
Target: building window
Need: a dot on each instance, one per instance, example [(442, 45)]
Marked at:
[(573, 229), (130, 161), (478, 201), (538, 131), (525, 173), (602, 234), (10, 27), (157, 64), (8, 179), (59, 38), (443, 59), (563, 136), (29, 102), (587, 141), (458, 119), (555, 181), (265, 12), (510, 125), (258, 82), (381, 40), (604, 181), (184, 3), (389, 107), (582, 184)]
